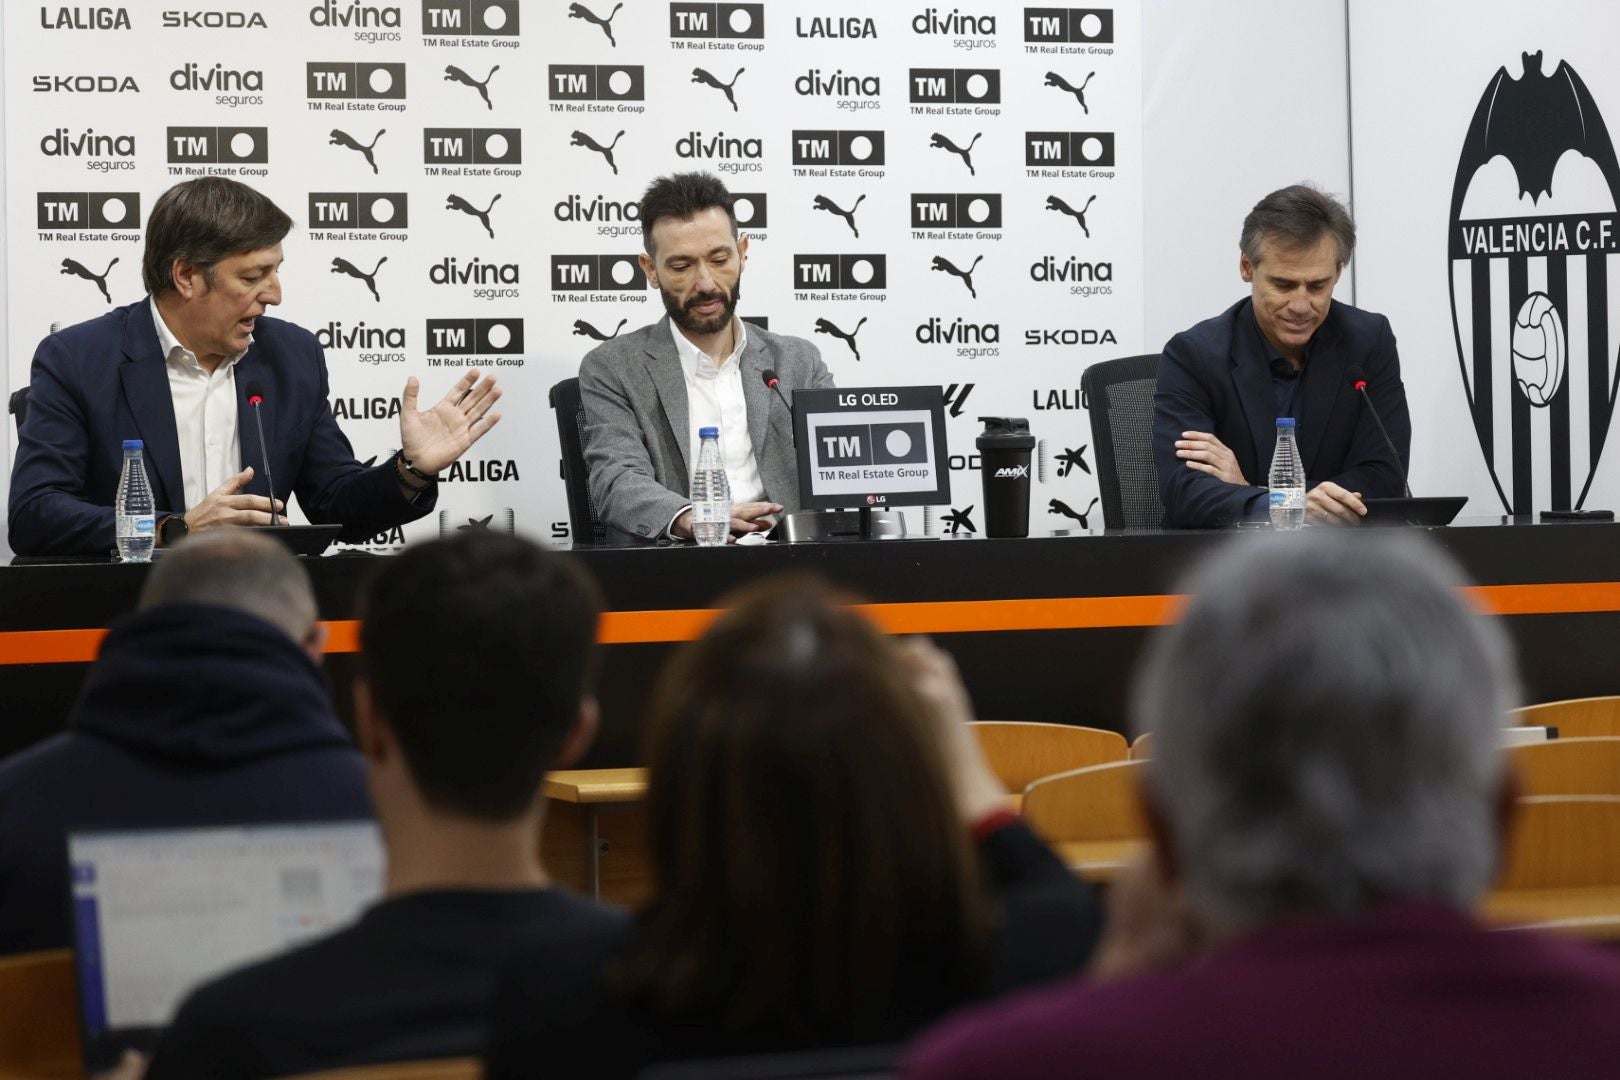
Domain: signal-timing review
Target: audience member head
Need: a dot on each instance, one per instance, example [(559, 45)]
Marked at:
[(242, 570), (809, 860), (1296, 218), (201, 222), (1326, 719), (477, 657)]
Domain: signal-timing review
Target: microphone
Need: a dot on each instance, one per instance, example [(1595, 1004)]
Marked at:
[(769, 375), (255, 398), (1358, 382)]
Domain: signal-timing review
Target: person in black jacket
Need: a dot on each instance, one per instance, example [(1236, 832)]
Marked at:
[(207, 706), (833, 863)]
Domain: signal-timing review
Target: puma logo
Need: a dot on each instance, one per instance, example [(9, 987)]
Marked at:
[(701, 76), (579, 138), (825, 327), (1055, 203), (937, 141), (580, 11), (942, 263), (824, 203), (78, 269), (1058, 506), (456, 202), (1079, 92), (585, 329), (344, 266), (455, 74), (343, 138)]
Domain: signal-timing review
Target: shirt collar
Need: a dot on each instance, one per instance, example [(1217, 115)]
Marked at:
[(1280, 365), (184, 356), (695, 362)]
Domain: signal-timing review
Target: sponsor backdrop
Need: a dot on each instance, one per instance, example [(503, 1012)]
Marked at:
[(935, 194)]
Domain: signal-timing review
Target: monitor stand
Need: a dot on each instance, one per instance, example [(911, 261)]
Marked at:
[(823, 526)]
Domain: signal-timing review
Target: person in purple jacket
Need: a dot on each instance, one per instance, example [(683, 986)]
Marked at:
[(1327, 799)]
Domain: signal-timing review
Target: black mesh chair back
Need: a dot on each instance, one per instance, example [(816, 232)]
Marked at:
[(583, 524), (18, 405), (1119, 396)]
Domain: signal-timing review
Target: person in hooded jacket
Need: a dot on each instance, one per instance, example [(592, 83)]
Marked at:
[(206, 706)]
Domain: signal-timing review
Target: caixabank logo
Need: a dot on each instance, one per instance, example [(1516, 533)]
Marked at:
[(476, 342), (98, 151), (472, 151), (83, 17), (964, 30), (218, 151), (955, 91), (87, 215), (598, 279), (226, 87), (602, 215), (354, 86), (365, 23), (1533, 235), (212, 19), (366, 215), (1055, 155), (1057, 31), (862, 277), (597, 88), (824, 153), (717, 27), (957, 215), (363, 342), (471, 24)]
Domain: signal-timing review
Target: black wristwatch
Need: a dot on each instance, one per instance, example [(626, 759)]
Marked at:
[(172, 529)]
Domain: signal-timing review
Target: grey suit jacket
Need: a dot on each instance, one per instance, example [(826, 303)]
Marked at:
[(636, 419)]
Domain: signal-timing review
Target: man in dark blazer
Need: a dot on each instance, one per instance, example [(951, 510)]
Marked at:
[(1286, 350), (179, 370), (646, 394)]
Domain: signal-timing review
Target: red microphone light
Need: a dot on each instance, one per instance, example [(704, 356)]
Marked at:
[(255, 399), (1359, 384)]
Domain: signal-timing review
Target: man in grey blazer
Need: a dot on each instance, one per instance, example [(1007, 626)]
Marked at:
[(647, 393)]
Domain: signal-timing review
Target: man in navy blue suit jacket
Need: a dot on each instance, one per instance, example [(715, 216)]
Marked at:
[(178, 369), (1287, 350)]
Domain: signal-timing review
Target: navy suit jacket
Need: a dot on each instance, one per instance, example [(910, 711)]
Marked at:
[(100, 382), (1208, 381)]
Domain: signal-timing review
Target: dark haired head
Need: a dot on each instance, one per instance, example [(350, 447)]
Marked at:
[(682, 196), (810, 868), (1297, 218), (478, 650), (204, 221)]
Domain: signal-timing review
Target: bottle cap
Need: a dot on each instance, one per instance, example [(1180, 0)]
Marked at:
[(708, 433), (134, 444), (1285, 421)]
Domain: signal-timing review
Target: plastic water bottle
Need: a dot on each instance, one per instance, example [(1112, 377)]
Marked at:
[(133, 508), (1287, 479), (711, 492)]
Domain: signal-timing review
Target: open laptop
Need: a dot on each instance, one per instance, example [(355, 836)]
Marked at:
[(157, 912)]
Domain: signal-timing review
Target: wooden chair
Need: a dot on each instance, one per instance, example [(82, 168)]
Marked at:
[(1568, 767), (1020, 753), (1092, 817), (440, 1069), (1142, 748), (1562, 870), (1576, 718), (39, 1018)]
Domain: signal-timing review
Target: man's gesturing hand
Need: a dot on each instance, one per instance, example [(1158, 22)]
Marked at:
[(1328, 503), (1204, 452), (435, 438), (226, 505)]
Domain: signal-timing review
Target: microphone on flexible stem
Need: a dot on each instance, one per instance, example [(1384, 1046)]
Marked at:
[(255, 398), (769, 375), (1358, 382)]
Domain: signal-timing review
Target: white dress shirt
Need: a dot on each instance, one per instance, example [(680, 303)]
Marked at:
[(205, 415), (714, 398)]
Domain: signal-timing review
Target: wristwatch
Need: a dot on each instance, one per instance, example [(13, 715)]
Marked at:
[(171, 529)]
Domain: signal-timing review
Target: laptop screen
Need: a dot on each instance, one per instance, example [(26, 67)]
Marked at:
[(157, 912)]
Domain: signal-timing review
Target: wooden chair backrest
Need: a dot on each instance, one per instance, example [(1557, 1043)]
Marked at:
[(1020, 752), (1576, 718), (39, 1018), (1568, 767), (438, 1069), (1102, 802), (1142, 748), (1561, 842)]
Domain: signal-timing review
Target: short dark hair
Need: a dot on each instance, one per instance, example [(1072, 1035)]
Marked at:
[(203, 221), (478, 649), (811, 872), (1298, 217), (683, 196), (239, 569)]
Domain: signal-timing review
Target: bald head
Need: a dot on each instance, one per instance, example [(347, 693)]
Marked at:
[(237, 569)]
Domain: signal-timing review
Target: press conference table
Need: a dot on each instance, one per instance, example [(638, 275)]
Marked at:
[(1044, 628)]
